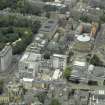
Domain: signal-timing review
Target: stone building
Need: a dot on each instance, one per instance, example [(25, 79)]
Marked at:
[(49, 28), (28, 65), (5, 57)]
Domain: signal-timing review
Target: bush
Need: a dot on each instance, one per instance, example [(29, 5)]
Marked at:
[(67, 72)]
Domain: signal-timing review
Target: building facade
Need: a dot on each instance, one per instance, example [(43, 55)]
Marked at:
[(5, 58)]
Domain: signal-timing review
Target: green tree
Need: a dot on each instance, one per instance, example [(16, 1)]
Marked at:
[(35, 26), (67, 72), (48, 14), (2, 46), (95, 60), (85, 19), (42, 97), (102, 18), (55, 102), (47, 55), (1, 86)]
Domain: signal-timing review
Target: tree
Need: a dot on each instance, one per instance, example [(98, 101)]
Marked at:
[(85, 19), (95, 60), (47, 55), (48, 14), (67, 72), (55, 102), (2, 45), (1, 86), (18, 28), (35, 26), (102, 18), (41, 97), (69, 56), (104, 82)]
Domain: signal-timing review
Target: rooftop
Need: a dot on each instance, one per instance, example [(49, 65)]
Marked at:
[(30, 56), (27, 80), (59, 56), (49, 25), (79, 63), (83, 38), (82, 47), (5, 50)]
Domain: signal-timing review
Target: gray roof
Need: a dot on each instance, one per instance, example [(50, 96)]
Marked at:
[(49, 25), (5, 50), (99, 72)]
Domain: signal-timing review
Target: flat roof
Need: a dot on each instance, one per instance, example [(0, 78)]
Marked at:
[(25, 56), (30, 56), (59, 55), (56, 74), (55, 4), (5, 50), (58, 1), (27, 80), (49, 26), (83, 38), (79, 63)]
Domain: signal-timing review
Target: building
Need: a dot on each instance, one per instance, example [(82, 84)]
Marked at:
[(28, 65), (57, 74), (34, 66), (97, 3), (38, 45), (59, 61), (19, 103), (79, 68), (27, 83), (4, 100), (5, 58), (49, 28), (70, 3), (81, 97), (83, 43), (83, 28), (84, 10), (85, 35), (98, 97)]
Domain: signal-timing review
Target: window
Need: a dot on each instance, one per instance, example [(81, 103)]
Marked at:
[(26, 67)]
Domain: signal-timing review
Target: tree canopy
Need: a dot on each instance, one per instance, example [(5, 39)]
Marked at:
[(21, 6), (13, 28), (1, 86), (55, 102), (67, 72), (95, 60)]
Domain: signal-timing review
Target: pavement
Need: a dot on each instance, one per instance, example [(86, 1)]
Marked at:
[(85, 86)]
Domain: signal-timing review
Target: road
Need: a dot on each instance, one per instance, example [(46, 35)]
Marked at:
[(82, 86)]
